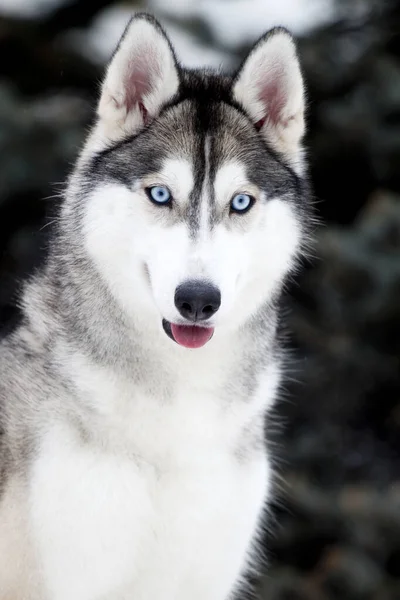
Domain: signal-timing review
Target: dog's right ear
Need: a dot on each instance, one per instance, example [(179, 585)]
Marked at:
[(142, 76)]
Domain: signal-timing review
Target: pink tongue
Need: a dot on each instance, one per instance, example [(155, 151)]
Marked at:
[(191, 336)]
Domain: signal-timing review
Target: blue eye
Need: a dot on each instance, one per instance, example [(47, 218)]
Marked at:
[(159, 194), (241, 203)]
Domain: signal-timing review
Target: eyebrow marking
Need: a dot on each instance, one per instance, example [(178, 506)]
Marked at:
[(178, 174)]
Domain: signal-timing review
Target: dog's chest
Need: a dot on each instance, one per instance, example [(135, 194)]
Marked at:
[(172, 515)]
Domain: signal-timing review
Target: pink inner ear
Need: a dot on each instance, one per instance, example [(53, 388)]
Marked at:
[(260, 123), (138, 84), (144, 113), (273, 97)]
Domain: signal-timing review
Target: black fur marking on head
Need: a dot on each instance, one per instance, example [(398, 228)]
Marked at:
[(205, 123)]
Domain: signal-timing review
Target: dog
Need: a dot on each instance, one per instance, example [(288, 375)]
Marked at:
[(134, 391)]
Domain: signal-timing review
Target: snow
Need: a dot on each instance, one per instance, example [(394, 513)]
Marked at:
[(241, 21), (232, 23), (28, 8), (99, 42)]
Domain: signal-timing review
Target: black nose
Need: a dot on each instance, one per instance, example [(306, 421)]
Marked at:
[(197, 300)]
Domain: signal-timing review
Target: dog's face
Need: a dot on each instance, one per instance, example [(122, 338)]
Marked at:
[(193, 217)]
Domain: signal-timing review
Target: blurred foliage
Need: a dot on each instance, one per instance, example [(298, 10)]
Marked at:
[(335, 520)]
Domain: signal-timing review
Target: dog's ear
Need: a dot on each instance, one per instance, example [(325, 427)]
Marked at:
[(269, 86), (142, 76)]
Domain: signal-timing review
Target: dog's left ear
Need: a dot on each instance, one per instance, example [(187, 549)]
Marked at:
[(142, 76), (270, 88)]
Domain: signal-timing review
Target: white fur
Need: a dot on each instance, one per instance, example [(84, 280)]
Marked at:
[(19, 578), (174, 523), (245, 262)]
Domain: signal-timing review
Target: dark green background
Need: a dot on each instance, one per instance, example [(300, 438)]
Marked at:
[(335, 524)]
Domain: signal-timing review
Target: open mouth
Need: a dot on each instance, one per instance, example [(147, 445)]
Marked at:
[(189, 336)]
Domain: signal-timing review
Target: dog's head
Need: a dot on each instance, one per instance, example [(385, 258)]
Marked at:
[(194, 208)]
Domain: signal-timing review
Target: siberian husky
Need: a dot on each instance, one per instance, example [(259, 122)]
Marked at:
[(134, 392)]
